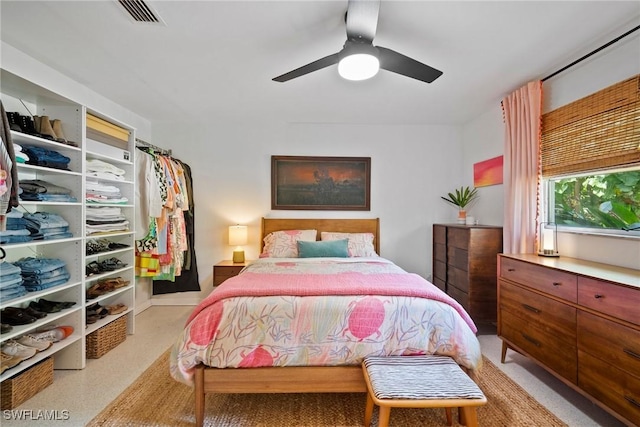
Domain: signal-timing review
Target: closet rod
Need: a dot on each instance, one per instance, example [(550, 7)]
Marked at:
[(142, 143), (604, 46)]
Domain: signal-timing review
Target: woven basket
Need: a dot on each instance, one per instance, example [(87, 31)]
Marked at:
[(106, 338), (23, 386)]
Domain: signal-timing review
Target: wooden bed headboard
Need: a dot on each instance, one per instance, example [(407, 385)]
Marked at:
[(364, 225)]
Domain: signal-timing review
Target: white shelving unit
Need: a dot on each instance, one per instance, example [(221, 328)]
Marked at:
[(19, 94)]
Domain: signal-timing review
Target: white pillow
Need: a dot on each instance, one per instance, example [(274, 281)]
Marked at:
[(284, 244), (360, 244)]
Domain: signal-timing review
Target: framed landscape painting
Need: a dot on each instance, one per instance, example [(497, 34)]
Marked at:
[(320, 183)]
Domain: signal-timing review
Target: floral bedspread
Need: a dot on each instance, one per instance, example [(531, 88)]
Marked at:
[(322, 312)]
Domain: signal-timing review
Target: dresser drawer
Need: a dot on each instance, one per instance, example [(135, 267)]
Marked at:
[(458, 258), (549, 315), (613, 387), (439, 234), (552, 350), (553, 282), (460, 296), (617, 344), (440, 252), (615, 300), (458, 278), (458, 238), (440, 270)]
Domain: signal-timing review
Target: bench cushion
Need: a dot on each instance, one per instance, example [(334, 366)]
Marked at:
[(419, 377)]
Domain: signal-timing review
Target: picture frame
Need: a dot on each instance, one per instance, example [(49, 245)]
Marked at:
[(320, 183)]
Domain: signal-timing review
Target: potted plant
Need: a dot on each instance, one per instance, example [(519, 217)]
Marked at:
[(461, 198)]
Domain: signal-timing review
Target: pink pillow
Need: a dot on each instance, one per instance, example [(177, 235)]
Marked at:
[(360, 244), (284, 244)]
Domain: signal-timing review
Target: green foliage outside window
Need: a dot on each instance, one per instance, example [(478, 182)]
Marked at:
[(605, 201)]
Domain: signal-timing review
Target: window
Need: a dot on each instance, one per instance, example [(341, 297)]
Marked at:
[(604, 202), (590, 161)]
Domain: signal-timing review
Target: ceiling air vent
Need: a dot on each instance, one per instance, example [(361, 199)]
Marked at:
[(140, 11)]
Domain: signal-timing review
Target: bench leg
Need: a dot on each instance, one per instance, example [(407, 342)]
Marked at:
[(383, 415), (468, 416), (447, 412), (368, 412)]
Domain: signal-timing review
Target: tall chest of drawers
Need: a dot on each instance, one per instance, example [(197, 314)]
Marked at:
[(579, 320), (464, 263)]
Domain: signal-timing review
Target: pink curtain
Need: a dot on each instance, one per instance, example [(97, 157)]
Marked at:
[(522, 111)]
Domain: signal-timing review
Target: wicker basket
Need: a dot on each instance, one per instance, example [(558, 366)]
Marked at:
[(106, 338), (23, 386)]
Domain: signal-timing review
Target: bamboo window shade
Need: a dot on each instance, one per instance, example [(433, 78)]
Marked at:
[(598, 132)]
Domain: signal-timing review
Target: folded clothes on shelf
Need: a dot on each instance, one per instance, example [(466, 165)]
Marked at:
[(40, 190), (45, 157)]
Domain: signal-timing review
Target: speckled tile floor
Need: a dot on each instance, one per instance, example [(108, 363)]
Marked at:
[(84, 393)]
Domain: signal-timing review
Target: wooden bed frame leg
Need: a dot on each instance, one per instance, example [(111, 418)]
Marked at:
[(504, 351), (199, 391)]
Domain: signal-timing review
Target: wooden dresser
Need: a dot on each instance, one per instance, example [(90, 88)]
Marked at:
[(464, 263), (580, 320)]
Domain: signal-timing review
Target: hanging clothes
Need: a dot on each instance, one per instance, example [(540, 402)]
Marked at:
[(8, 170), (164, 223)]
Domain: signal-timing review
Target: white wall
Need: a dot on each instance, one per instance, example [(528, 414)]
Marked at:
[(480, 140), (411, 167)]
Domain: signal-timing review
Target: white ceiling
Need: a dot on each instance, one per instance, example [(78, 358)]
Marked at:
[(214, 60)]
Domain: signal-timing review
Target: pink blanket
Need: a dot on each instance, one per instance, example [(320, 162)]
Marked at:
[(352, 283)]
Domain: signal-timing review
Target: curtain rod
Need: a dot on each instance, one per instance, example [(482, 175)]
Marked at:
[(604, 46), (155, 147)]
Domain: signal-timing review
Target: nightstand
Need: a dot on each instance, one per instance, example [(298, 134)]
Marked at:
[(226, 269)]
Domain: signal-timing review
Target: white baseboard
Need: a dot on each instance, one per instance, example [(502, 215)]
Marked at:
[(174, 301)]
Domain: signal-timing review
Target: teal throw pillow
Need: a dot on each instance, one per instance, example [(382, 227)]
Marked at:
[(330, 248)]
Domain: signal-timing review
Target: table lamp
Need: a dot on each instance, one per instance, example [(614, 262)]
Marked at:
[(238, 238), (548, 238)]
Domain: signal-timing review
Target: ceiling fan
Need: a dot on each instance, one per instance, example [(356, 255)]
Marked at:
[(359, 59)]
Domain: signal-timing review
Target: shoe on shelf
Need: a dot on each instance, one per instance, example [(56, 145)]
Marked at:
[(116, 308), (54, 305), (34, 341), (45, 308), (116, 282), (111, 264), (8, 362), (4, 328), (35, 313), (98, 310), (55, 334), (15, 316), (93, 268), (14, 348)]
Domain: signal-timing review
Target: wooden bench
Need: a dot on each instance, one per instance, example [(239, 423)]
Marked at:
[(420, 382)]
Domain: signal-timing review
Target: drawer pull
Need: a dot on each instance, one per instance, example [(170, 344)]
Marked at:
[(598, 296), (557, 283), (528, 307), (632, 400), (531, 340), (511, 269), (631, 353)]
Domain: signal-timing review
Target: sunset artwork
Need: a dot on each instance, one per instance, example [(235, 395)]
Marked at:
[(313, 183), (488, 172)]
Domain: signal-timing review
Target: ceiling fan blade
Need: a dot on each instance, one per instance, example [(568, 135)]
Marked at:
[(309, 68), (362, 19), (391, 60)]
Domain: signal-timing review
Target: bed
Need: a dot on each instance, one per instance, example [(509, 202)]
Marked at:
[(301, 323)]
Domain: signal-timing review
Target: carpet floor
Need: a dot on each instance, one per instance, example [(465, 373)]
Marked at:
[(155, 399)]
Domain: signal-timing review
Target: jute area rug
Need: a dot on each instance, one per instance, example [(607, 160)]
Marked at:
[(155, 399)]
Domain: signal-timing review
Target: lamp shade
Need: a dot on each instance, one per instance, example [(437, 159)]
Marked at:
[(237, 235)]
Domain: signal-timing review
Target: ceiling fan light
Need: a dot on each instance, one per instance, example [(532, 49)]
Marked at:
[(360, 66)]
